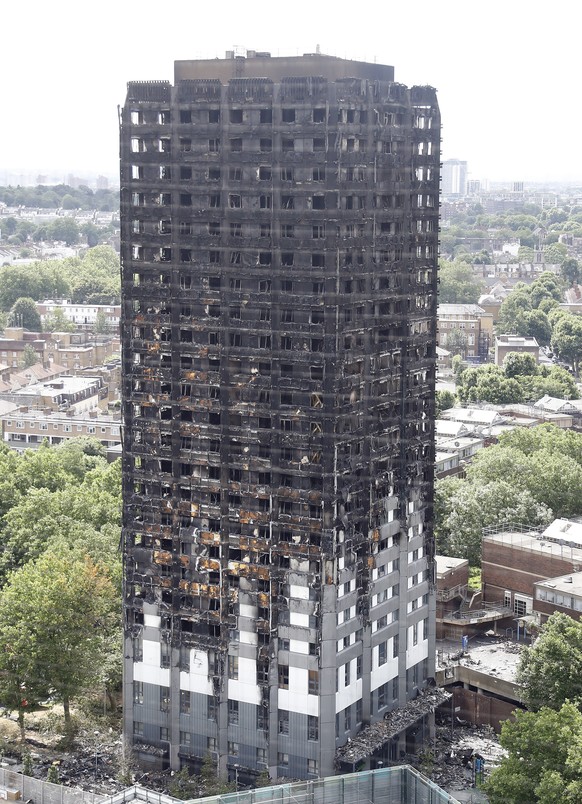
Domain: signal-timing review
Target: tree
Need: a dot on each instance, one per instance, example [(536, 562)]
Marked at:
[(544, 759), (567, 339), (525, 254), (68, 202), (554, 381), (44, 648), (444, 401), (101, 323), (550, 671), (458, 284), (456, 342), (570, 271), (29, 356), (24, 314), (488, 383), (548, 472), (91, 232), (65, 229), (57, 321), (511, 312), (516, 364), (555, 253), (535, 324), (472, 507)]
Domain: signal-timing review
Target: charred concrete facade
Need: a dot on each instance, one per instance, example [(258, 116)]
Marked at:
[(279, 244)]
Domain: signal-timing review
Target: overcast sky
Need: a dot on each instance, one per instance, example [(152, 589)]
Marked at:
[(507, 71)]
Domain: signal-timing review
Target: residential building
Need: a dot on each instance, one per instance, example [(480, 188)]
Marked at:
[(454, 178), (472, 322), (279, 244), (81, 393), (83, 315), (504, 344), (25, 428), (73, 351)]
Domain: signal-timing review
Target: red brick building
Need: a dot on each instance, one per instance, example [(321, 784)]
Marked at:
[(514, 560)]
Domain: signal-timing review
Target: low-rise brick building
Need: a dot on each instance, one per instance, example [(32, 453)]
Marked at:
[(514, 560)]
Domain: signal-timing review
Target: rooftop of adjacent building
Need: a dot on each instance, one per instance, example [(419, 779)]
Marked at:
[(493, 655), (62, 385), (461, 310), (570, 584), (447, 564), (562, 538), (93, 416), (516, 340)]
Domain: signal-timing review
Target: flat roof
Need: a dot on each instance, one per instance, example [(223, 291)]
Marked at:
[(535, 543), (446, 564), (56, 417), (570, 583), (474, 415), (70, 385), (263, 65)]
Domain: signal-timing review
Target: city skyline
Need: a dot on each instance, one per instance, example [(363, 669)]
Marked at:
[(70, 76)]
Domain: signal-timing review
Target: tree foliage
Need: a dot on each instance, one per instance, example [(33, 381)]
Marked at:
[(458, 283), (444, 401), (58, 322), (53, 612), (544, 761), (548, 463), (550, 671), (570, 271), (567, 339), (47, 197), (92, 278), (465, 509), (24, 314), (518, 380)]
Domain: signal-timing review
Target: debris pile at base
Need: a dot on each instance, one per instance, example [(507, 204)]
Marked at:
[(373, 737)]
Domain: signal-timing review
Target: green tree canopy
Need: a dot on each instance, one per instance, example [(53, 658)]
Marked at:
[(544, 761), (517, 364), (444, 401), (58, 322), (514, 383), (570, 271), (567, 339), (464, 509), (53, 612), (24, 314), (547, 471), (550, 671), (458, 283)]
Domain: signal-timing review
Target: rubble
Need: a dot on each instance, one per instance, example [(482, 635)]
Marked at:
[(452, 755), (373, 737)]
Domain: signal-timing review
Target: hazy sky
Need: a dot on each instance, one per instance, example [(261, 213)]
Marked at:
[(507, 71)]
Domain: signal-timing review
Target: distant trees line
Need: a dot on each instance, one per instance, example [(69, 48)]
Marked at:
[(93, 278), (60, 196)]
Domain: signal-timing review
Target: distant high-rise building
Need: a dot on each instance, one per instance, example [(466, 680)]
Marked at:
[(454, 178), (473, 186), (279, 252)]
